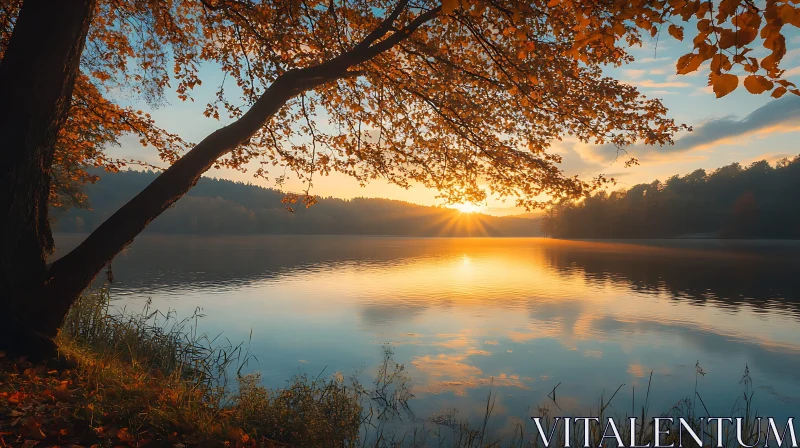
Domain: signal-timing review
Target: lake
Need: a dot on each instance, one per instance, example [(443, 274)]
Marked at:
[(514, 316)]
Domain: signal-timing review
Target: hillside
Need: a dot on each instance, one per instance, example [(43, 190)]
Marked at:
[(756, 201), (216, 206)]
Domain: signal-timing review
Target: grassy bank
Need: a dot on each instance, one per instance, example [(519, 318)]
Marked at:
[(149, 379), (146, 378)]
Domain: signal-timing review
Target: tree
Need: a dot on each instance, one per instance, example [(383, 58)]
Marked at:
[(730, 202), (37, 74), (462, 96)]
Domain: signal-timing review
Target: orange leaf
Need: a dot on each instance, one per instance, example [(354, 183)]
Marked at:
[(726, 9), (723, 84), (720, 63), (688, 63), (770, 63), (744, 36), (748, 20), (125, 436), (706, 51), (757, 84), (727, 38), (776, 43), (789, 14), (779, 92), (676, 32), (449, 6), (704, 8)]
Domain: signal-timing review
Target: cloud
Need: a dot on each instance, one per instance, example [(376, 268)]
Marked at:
[(702, 91), (572, 162), (637, 370), (781, 115), (635, 74), (791, 54), (454, 373), (650, 60), (794, 71), (662, 92), (659, 85)]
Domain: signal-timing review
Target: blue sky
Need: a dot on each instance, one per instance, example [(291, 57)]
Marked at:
[(737, 128)]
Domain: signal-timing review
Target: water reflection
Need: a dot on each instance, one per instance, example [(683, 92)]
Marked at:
[(517, 316), (754, 274)]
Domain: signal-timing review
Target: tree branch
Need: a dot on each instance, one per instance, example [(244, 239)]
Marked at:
[(71, 274)]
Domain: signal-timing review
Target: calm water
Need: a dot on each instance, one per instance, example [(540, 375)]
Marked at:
[(514, 316)]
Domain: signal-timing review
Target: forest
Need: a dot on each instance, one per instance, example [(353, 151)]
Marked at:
[(217, 206), (754, 201)]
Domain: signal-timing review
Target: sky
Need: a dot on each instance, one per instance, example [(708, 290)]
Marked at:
[(739, 127)]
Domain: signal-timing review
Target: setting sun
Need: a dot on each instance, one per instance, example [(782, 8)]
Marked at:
[(467, 208)]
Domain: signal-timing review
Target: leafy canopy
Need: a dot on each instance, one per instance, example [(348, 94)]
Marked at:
[(468, 100)]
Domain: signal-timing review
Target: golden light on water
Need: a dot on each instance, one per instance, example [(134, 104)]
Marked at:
[(518, 315)]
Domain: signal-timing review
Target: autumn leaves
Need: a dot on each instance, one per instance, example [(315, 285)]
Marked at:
[(726, 32)]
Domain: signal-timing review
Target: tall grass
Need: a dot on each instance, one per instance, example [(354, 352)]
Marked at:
[(692, 410), (152, 341), (141, 358), (157, 373)]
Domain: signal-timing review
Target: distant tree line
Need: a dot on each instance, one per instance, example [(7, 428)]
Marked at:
[(757, 201), (216, 206)]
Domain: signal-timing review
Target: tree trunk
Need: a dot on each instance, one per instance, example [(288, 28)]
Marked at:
[(37, 75)]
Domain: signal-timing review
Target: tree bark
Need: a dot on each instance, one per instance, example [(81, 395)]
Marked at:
[(37, 75)]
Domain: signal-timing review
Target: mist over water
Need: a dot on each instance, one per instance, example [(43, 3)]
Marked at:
[(515, 316)]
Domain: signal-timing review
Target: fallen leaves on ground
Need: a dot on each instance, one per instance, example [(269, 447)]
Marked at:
[(44, 407)]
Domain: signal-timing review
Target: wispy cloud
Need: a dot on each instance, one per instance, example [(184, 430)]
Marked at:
[(702, 91), (794, 71), (572, 160), (650, 60), (791, 54), (649, 83), (777, 116), (663, 92), (635, 73)]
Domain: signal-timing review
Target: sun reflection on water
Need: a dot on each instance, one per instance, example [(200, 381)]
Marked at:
[(516, 315)]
